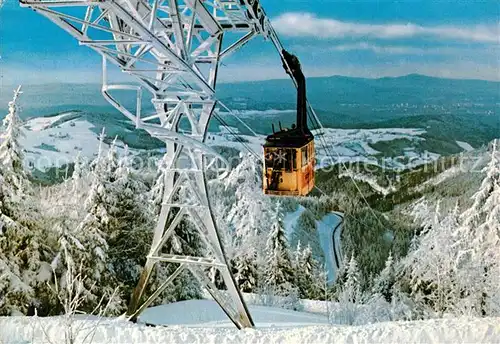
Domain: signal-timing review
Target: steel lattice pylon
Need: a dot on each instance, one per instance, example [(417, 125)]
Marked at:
[(173, 49)]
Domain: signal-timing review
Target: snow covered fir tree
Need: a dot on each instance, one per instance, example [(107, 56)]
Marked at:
[(428, 256), (278, 269), (24, 249)]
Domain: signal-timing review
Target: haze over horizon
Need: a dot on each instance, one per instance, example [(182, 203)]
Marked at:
[(37, 82)]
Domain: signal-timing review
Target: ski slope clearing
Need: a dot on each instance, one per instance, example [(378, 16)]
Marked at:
[(56, 140), (370, 181), (41, 123), (465, 146), (225, 137), (346, 145), (206, 313), (21, 330)]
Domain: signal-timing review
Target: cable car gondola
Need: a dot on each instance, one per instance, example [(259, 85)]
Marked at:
[(289, 157)]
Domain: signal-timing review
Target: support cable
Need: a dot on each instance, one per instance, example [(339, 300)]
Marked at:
[(322, 139), (231, 112), (314, 117), (236, 136)]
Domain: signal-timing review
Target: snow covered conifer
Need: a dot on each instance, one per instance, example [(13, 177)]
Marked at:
[(278, 268), (13, 180), (431, 261), (297, 255), (11, 155), (246, 220), (246, 271), (15, 292), (112, 159), (129, 233), (385, 280), (487, 208), (349, 295), (93, 232), (23, 247), (96, 202), (305, 271), (351, 290), (452, 262), (476, 213), (129, 190), (94, 257), (484, 243), (475, 251), (78, 173), (321, 288), (156, 192), (248, 213), (24, 252)]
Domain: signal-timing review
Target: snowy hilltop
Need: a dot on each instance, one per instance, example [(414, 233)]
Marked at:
[(53, 140)]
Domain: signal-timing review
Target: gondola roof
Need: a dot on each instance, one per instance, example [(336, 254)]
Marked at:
[(289, 138)]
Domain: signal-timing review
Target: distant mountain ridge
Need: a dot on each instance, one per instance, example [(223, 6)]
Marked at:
[(325, 93), (449, 110)]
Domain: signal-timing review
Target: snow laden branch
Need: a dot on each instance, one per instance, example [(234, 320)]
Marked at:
[(455, 263), (12, 175), (72, 295)]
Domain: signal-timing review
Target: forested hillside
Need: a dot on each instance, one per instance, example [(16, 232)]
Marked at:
[(418, 243)]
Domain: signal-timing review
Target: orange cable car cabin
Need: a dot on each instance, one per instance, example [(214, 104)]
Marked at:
[(289, 157)]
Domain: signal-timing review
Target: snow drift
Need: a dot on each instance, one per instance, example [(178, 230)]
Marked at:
[(17, 330)]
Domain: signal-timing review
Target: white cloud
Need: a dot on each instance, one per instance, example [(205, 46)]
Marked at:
[(381, 49), (308, 25)]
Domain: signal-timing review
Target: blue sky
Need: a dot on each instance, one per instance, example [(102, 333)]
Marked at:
[(368, 38)]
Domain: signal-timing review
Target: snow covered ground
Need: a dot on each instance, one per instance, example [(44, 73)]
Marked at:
[(23, 330), (370, 181), (56, 140), (225, 138), (465, 146), (304, 305), (350, 145), (346, 145), (206, 313)]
